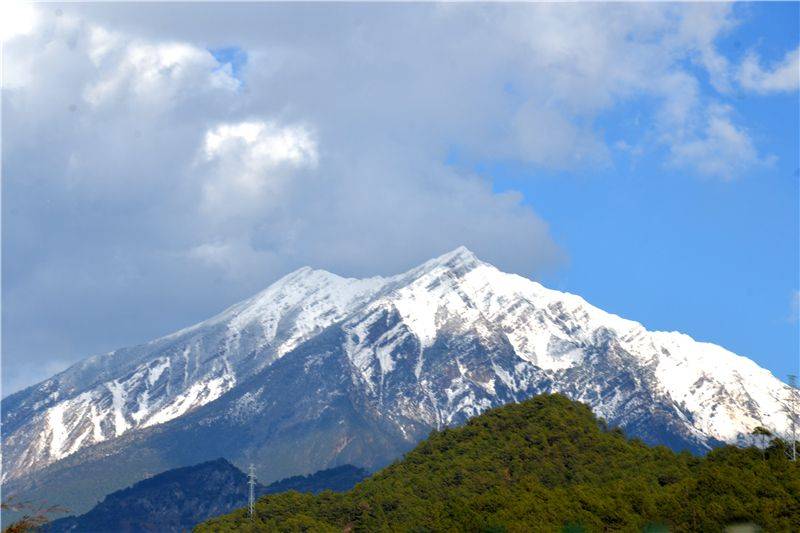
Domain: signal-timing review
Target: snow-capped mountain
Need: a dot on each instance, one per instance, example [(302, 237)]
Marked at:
[(105, 396), (318, 370)]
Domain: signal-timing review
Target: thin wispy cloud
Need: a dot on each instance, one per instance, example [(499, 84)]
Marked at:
[(783, 76)]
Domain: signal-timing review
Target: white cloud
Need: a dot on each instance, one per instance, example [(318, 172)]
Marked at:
[(265, 143), (115, 69), (231, 258), (16, 18), (249, 163), (545, 136), (781, 77), (142, 170), (153, 75), (581, 61), (720, 149), (698, 29)]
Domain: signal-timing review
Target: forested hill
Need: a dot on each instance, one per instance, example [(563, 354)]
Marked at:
[(546, 464)]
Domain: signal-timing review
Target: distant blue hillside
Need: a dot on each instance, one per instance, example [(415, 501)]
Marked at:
[(178, 499)]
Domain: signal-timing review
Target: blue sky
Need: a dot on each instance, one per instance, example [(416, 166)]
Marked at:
[(163, 161), (716, 259), (719, 260)]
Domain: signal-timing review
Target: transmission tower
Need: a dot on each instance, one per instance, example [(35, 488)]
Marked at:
[(251, 480), (793, 414)]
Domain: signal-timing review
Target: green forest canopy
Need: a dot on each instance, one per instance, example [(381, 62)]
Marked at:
[(546, 464)]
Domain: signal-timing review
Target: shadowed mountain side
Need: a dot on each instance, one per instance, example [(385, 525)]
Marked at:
[(337, 479), (179, 499), (262, 422)]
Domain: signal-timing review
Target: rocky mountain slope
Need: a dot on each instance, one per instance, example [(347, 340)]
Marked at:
[(319, 370)]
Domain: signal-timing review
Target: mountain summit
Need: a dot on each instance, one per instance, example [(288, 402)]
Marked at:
[(319, 370)]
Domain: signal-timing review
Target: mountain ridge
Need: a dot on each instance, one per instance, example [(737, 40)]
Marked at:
[(389, 357)]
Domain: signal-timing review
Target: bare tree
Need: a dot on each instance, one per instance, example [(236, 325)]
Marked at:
[(33, 518)]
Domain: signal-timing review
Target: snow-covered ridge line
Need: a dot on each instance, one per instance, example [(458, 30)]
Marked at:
[(176, 373), (503, 336)]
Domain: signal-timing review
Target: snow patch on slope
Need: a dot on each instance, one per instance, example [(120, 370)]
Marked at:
[(200, 393), (58, 433), (118, 402), (727, 394)]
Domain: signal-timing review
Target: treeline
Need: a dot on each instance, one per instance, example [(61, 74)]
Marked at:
[(546, 464)]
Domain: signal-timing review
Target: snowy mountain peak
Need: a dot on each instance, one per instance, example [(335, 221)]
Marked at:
[(460, 259), (418, 350), (459, 256)]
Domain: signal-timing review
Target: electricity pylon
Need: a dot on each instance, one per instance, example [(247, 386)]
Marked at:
[(792, 408), (251, 480)]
